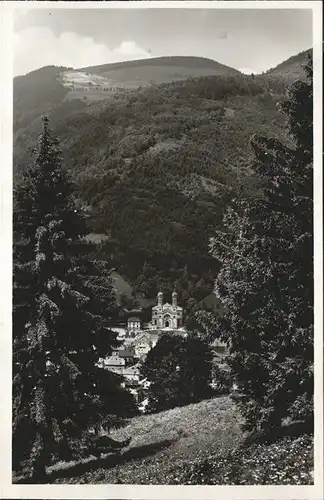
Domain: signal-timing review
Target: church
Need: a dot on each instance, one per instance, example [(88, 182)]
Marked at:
[(167, 315), (137, 339)]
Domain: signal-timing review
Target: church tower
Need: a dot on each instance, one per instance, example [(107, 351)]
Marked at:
[(160, 298), (174, 299)]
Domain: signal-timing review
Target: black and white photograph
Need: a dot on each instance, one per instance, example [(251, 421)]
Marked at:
[(164, 281)]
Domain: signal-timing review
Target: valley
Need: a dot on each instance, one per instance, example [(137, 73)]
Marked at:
[(162, 322), (156, 150)]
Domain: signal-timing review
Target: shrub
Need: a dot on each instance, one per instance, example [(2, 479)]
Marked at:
[(285, 462)]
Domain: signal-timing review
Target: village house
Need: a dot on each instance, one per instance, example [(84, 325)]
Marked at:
[(113, 363), (137, 339)]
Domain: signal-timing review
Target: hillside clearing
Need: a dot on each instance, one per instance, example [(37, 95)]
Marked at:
[(197, 444), (162, 443)]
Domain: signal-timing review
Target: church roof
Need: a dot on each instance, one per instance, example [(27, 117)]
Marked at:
[(167, 306)]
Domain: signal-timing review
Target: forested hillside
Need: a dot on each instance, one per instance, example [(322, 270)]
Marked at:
[(155, 167), (201, 187), (290, 69)]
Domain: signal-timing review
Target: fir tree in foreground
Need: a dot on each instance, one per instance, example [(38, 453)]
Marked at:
[(179, 372), (266, 279), (60, 313)]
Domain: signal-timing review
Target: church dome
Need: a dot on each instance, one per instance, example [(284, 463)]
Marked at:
[(160, 294)]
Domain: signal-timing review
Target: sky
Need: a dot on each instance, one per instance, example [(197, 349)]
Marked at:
[(251, 40)]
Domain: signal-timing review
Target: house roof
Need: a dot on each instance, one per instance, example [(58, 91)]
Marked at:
[(126, 353), (152, 332), (132, 370), (134, 311), (143, 336), (114, 361), (119, 330), (115, 327)]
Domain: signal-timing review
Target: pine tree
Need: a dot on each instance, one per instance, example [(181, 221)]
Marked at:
[(179, 370), (46, 189), (266, 279), (61, 307)]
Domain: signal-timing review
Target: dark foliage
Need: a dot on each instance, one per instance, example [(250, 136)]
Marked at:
[(34, 90), (179, 370), (222, 380), (266, 278), (60, 314)]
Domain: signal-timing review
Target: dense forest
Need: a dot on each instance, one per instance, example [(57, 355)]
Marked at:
[(155, 167)]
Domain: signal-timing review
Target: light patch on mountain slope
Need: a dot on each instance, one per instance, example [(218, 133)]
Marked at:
[(82, 79)]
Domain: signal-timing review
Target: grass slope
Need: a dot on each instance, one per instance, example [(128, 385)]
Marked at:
[(163, 443), (171, 61), (101, 82), (147, 75), (197, 444)]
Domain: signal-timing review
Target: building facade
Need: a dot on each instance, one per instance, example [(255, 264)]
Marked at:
[(138, 339), (167, 315), (133, 326)]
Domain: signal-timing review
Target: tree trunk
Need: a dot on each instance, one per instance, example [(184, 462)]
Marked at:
[(38, 470), (38, 455)]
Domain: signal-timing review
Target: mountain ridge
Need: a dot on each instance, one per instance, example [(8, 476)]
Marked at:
[(198, 61), (203, 62)]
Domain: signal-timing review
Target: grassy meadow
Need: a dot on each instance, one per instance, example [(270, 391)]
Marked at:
[(201, 443)]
